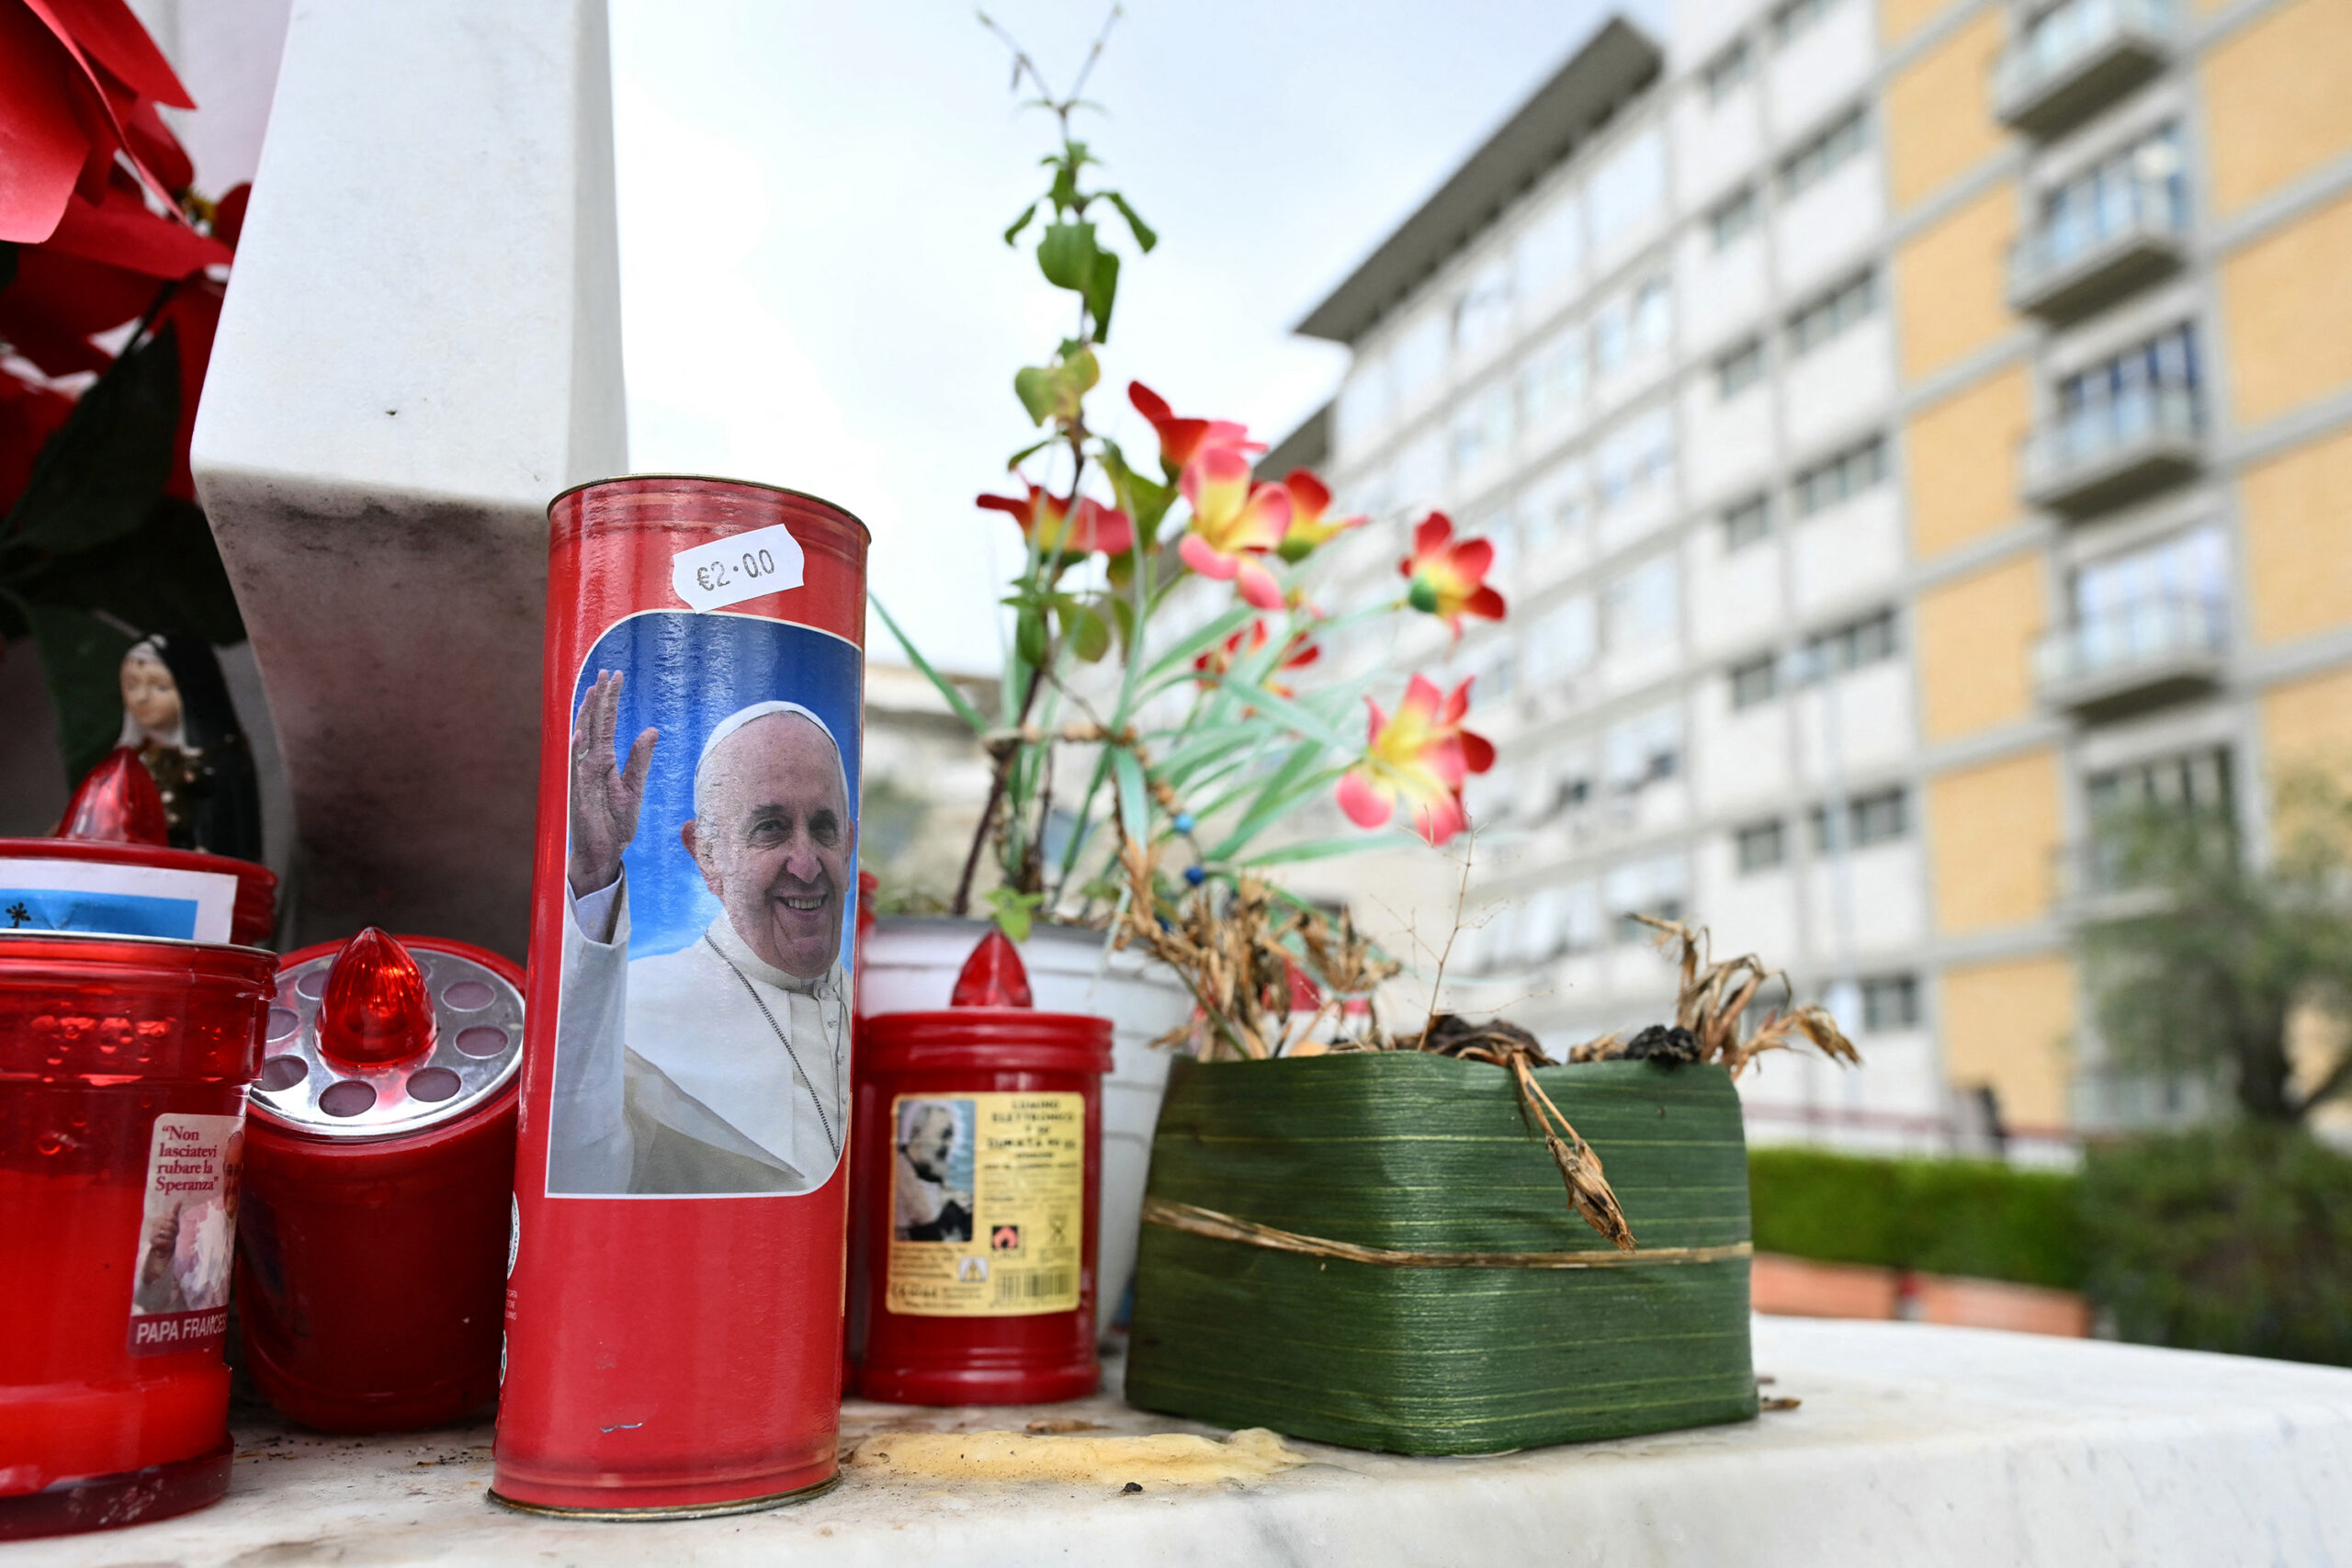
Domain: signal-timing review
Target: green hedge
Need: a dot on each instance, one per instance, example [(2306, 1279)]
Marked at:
[(1941, 1216), (2234, 1238)]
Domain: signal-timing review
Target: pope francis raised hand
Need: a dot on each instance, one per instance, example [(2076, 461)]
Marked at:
[(723, 1066)]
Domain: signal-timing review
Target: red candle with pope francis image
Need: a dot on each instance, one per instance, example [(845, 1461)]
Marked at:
[(673, 1310)]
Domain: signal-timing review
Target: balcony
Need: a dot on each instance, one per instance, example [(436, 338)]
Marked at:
[(2075, 58), (2094, 459), (2138, 657), (2065, 270)]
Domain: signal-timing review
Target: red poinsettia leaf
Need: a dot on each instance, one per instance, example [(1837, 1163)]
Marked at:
[(111, 36), (42, 145), (229, 214), (105, 133), (57, 301), (121, 232), (153, 145), (194, 309)]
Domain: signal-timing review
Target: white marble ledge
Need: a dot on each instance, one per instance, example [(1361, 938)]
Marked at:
[(1914, 1445)]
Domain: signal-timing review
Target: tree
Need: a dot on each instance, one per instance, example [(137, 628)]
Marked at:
[(2221, 951)]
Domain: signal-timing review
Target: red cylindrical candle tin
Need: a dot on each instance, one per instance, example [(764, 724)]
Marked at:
[(108, 871), (379, 1177), (673, 1313), (979, 1137), (123, 1066)]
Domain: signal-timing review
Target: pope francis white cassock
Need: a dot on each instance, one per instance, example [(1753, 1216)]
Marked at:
[(723, 1066)]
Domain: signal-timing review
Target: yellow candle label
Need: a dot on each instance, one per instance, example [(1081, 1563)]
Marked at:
[(987, 1203)]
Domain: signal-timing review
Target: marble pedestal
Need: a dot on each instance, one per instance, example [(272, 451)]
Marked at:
[(1912, 1445)]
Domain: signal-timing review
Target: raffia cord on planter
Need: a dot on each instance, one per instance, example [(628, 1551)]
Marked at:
[(1225, 1227)]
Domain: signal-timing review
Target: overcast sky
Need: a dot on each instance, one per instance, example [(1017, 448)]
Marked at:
[(811, 196)]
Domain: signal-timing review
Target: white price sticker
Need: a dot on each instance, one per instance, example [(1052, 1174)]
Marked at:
[(730, 571)]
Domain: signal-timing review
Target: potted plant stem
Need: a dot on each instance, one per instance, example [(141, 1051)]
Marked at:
[(1159, 620)]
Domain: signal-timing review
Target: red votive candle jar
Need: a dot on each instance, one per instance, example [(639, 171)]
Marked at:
[(978, 1149), (123, 1066), (379, 1183)]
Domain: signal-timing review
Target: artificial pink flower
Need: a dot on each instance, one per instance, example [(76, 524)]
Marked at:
[(1045, 522), (1235, 524), (1448, 576), (1181, 440), (1418, 755), (1310, 530), (1297, 655)]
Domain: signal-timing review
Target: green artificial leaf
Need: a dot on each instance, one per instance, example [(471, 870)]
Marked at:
[(1034, 385), (81, 657), (1311, 725), (1014, 462), (1102, 292), (1013, 231), (946, 688), (1135, 801), (1144, 237), (1086, 632), (1067, 255), (165, 576), (1029, 638), (98, 476), (1123, 615), (1314, 848), (1014, 911), (1145, 501)]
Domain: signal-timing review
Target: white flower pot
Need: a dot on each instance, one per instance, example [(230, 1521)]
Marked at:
[(911, 966)]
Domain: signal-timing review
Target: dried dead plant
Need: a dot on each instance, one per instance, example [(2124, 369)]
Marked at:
[(1235, 952), (1709, 1005)]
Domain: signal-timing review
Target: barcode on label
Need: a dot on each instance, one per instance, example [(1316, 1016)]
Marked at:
[(1031, 1286)]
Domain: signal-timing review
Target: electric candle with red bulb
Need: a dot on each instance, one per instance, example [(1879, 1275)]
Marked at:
[(129, 1027), (978, 1144), (378, 1183)]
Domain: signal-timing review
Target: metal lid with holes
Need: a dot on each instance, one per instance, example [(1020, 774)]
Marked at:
[(478, 1045)]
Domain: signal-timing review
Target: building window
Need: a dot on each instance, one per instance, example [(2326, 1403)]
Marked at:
[(1560, 644), (1484, 426), (1550, 248), (1794, 20), (1643, 607), (1761, 846), (1553, 381), (1740, 369), (1816, 324), (1656, 886), (2121, 396), (1733, 217), (1643, 750), (1637, 456), (1420, 356), (2189, 570), (1482, 312), (1733, 65), (1822, 155), (2137, 185), (1628, 187), (1653, 316), (1890, 1002), (1849, 646), (1749, 523), (1757, 680), (1840, 477), (1879, 818), (2191, 785)]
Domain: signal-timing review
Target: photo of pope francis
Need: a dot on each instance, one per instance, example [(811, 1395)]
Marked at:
[(723, 1067)]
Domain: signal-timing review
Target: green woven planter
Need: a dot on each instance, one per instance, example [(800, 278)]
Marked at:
[(1427, 1154)]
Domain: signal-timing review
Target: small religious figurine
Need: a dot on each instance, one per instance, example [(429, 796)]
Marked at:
[(176, 715)]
